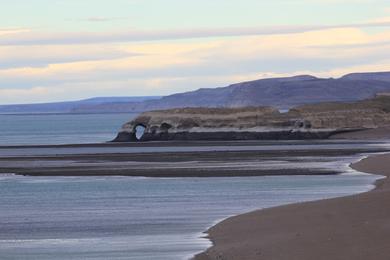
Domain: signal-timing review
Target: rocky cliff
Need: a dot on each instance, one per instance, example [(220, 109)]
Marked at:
[(257, 123), (364, 114)]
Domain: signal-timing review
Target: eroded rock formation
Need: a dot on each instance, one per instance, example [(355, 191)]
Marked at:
[(257, 123)]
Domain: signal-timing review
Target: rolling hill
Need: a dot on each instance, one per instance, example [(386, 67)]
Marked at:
[(282, 93)]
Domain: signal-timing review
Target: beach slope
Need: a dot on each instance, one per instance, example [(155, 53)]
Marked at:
[(355, 227)]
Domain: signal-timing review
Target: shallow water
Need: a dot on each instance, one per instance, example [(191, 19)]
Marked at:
[(140, 218)]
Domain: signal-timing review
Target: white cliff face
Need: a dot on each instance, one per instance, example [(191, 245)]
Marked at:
[(187, 123), (211, 119), (364, 114)]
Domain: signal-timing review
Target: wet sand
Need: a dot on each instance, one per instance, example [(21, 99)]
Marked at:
[(349, 228), (177, 159), (172, 164), (373, 134)]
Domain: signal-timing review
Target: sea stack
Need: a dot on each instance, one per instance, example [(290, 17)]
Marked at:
[(317, 121)]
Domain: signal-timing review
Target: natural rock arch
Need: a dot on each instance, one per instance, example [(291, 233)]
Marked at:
[(139, 131)]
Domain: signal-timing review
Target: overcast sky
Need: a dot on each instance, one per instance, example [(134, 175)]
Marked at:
[(53, 50)]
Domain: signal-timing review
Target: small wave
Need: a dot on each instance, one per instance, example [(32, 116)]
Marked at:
[(51, 241), (8, 176)]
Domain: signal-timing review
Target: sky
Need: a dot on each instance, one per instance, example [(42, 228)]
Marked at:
[(54, 50)]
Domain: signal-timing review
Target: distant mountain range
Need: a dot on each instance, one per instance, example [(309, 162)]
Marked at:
[(282, 93), (278, 92), (72, 106)]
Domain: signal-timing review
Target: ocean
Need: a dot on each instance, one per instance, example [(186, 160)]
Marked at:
[(31, 129), (140, 218), (136, 217)]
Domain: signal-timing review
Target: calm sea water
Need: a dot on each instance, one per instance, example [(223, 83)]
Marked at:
[(60, 128), (139, 218)]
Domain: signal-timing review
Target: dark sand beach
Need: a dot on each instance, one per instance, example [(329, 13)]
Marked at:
[(349, 228), (373, 134), (178, 159)]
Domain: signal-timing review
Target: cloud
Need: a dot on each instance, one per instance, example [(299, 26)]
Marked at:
[(45, 38), (353, 45), (5, 31), (78, 71), (277, 53), (36, 56)]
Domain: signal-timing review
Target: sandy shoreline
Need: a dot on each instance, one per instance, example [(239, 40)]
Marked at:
[(179, 159), (354, 227)]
